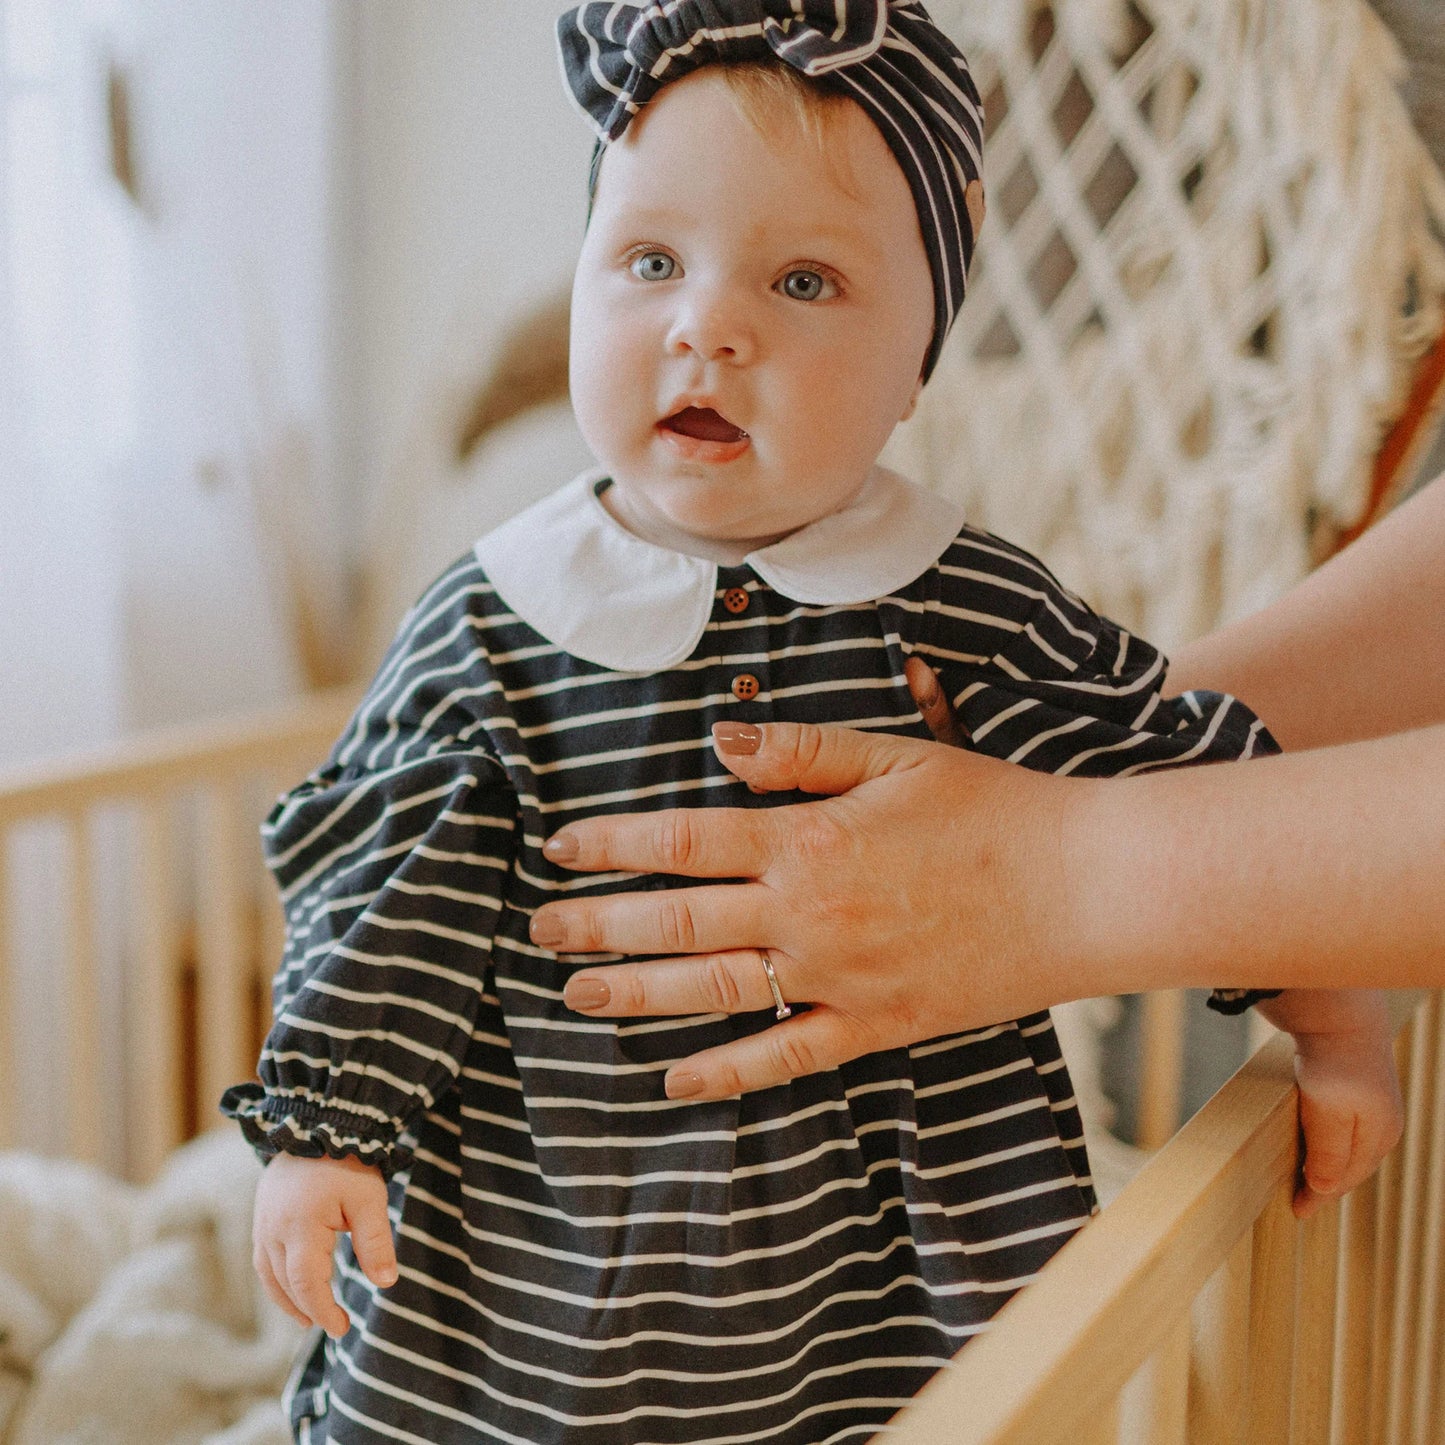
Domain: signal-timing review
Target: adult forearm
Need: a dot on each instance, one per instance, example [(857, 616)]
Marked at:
[(1319, 869), (1356, 651)]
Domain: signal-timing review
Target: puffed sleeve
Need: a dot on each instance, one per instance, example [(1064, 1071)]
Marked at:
[(1067, 691), (391, 860), (1071, 692)]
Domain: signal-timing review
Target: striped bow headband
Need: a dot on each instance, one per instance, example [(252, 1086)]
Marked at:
[(892, 59)]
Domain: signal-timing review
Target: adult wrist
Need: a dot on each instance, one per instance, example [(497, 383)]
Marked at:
[(1116, 888)]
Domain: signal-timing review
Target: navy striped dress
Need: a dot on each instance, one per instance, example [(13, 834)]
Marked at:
[(582, 1259)]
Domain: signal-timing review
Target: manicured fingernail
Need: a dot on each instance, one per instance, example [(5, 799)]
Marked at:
[(546, 930), (737, 740), (586, 993), (386, 1278), (561, 847), (683, 1086), (928, 689)]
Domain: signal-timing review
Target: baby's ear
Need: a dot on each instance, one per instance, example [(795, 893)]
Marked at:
[(912, 401)]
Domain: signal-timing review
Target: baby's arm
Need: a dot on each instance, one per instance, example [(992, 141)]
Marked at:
[(301, 1206), (391, 859), (1351, 1113)]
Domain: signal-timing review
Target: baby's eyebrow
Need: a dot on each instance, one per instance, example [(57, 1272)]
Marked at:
[(828, 236), (666, 215)]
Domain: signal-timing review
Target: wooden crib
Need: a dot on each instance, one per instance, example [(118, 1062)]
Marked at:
[(1193, 1310)]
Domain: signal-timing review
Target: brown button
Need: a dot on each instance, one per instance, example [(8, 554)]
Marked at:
[(735, 599), (745, 686)]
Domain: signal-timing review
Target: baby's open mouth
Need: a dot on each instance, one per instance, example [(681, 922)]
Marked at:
[(703, 424)]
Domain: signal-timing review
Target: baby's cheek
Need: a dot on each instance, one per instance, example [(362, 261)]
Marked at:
[(610, 385)]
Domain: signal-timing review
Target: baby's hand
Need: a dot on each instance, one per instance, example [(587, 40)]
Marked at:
[(1350, 1107), (301, 1206)]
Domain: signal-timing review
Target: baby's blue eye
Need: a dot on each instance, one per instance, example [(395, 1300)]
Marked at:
[(653, 266), (804, 285)]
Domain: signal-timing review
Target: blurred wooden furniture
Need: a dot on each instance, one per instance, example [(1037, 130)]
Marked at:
[(1197, 1311)]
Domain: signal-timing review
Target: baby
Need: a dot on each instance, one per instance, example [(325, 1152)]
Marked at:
[(785, 201)]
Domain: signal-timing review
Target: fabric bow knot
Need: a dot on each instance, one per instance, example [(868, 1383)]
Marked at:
[(619, 56)]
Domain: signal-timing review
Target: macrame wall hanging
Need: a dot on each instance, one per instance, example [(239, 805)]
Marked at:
[(1211, 279)]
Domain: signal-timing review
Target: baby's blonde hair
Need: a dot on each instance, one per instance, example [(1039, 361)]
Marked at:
[(763, 89)]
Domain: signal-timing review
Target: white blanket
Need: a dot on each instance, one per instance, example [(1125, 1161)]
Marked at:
[(132, 1316)]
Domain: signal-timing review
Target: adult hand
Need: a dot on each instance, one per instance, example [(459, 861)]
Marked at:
[(896, 906)]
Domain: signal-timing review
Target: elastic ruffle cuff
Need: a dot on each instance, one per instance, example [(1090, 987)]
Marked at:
[(274, 1125)]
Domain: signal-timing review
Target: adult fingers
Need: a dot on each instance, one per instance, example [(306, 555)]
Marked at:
[(776, 757), (730, 983), (822, 1038), (366, 1218), (691, 842), (673, 920), (306, 1268), (265, 1271), (932, 702)]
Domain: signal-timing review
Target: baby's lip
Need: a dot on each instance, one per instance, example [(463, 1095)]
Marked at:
[(703, 423)]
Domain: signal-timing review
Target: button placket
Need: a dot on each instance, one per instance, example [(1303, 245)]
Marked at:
[(746, 679)]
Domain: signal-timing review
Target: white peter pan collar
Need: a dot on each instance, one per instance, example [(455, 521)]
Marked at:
[(571, 571)]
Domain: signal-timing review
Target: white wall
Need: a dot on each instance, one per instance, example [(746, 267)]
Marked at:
[(260, 374), (470, 200), (236, 122), (64, 392)]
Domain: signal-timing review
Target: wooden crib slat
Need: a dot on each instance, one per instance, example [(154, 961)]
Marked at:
[(1272, 1319), (222, 956), (155, 1002), (1427, 1428), (1102, 1427), (1354, 1341), (1314, 1359), (82, 995), (1404, 1335), (1161, 1067), (1167, 1411), (1158, 1242), (1387, 1232), (1220, 1363)]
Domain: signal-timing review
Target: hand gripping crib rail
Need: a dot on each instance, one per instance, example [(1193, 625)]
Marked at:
[(1193, 1310)]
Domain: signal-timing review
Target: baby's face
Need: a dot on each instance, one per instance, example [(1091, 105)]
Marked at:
[(746, 331)]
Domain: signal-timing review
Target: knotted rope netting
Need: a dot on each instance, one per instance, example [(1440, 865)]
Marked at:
[(1212, 264)]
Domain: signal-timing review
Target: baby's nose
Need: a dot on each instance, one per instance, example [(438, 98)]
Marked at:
[(715, 328)]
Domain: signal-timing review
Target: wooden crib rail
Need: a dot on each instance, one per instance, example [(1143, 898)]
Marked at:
[(157, 761), (193, 958), (1195, 1309)]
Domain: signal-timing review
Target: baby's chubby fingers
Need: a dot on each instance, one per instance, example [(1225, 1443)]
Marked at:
[(1329, 1148), (1350, 1122), (932, 702), (275, 1291), (306, 1270), (301, 1206), (366, 1218)]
